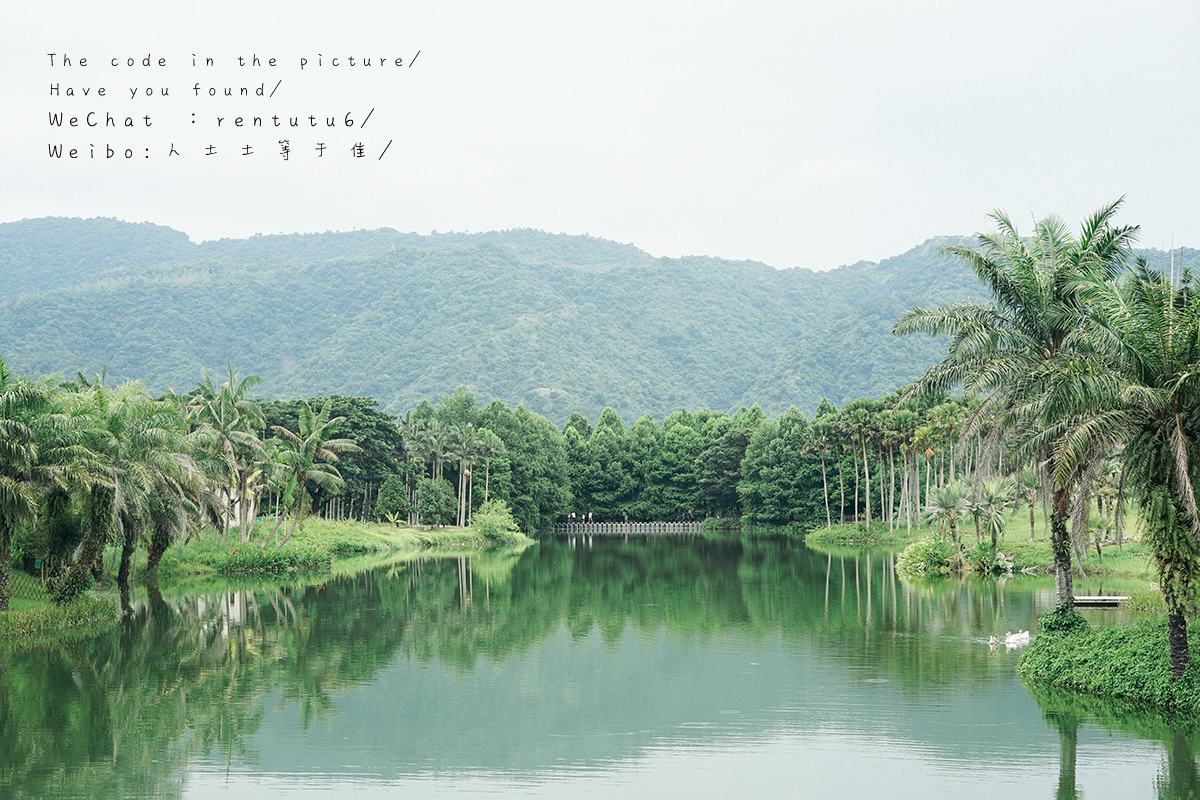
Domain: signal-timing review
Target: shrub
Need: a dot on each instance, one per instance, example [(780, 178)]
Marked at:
[(495, 522), (1059, 620), (926, 557), (1127, 663), (983, 560)]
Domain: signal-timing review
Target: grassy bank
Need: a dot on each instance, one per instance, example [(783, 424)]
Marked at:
[(1123, 663), (311, 550), (857, 534), (91, 614)]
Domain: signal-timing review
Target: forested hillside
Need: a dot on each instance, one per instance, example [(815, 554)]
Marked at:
[(558, 323)]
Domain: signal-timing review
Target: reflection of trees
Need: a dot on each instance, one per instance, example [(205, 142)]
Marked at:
[(1178, 777), (189, 674)]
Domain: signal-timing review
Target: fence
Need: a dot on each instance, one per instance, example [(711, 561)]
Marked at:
[(625, 528)]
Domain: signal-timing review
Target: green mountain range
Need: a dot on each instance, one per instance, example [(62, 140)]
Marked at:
[(560, 323)]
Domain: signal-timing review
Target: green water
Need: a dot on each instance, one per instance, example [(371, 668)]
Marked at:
[(648, 668)]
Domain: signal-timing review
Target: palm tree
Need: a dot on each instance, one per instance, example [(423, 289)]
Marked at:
[(949, 504), (227, 421), (822, 430), (308, 456), (1037, 317), (490, 446), (135, 446), (460, 448), (1028, 483), (1142, 386), (994, 499), (21, 403)]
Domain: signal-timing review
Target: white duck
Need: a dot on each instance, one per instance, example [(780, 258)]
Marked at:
[(1018, 638)]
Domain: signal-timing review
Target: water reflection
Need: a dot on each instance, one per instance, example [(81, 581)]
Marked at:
[(1177, 778), (578, 658)]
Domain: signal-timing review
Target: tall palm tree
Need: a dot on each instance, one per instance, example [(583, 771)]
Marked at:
[(820, 443), (1037, 316), (227, 421), (308, 456), (490, 446), (1028, 484)]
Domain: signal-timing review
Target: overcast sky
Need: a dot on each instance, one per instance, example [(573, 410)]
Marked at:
[(798, 134)]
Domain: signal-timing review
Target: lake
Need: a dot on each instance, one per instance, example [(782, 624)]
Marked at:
[(654, 667)]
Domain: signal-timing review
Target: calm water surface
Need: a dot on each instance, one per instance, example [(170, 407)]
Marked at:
[(648, 668)]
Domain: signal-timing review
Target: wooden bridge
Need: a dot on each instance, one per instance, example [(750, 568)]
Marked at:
[(1100, 601), (625, 528)]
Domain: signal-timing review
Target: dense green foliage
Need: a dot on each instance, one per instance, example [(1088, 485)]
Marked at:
[(1128, 663), (495, 522), (556, 323), (435, 501), (393, 502)]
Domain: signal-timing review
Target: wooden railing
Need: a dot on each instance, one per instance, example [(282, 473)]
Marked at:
[(625, 528)]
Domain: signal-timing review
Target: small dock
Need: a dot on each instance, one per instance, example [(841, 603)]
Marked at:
[(1100, 601)]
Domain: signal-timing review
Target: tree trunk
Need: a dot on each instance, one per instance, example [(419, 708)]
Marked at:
[(892, 494), (1060, 543), (866, 483), (160, 540), (74, 582), (5, 568), (825, 485), (842, 489), (126, 557), (1177, 636), (928, 469), (1031, 521), (855, 509)]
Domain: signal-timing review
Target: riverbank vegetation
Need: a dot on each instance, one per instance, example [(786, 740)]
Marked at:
[(215, 480), (1123, 662)]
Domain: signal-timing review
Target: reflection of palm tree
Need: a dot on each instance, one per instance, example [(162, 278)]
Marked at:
[(1181, 778), (1068, 739)]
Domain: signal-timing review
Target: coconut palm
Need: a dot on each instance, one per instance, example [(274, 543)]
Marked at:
[(1037, 316)]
